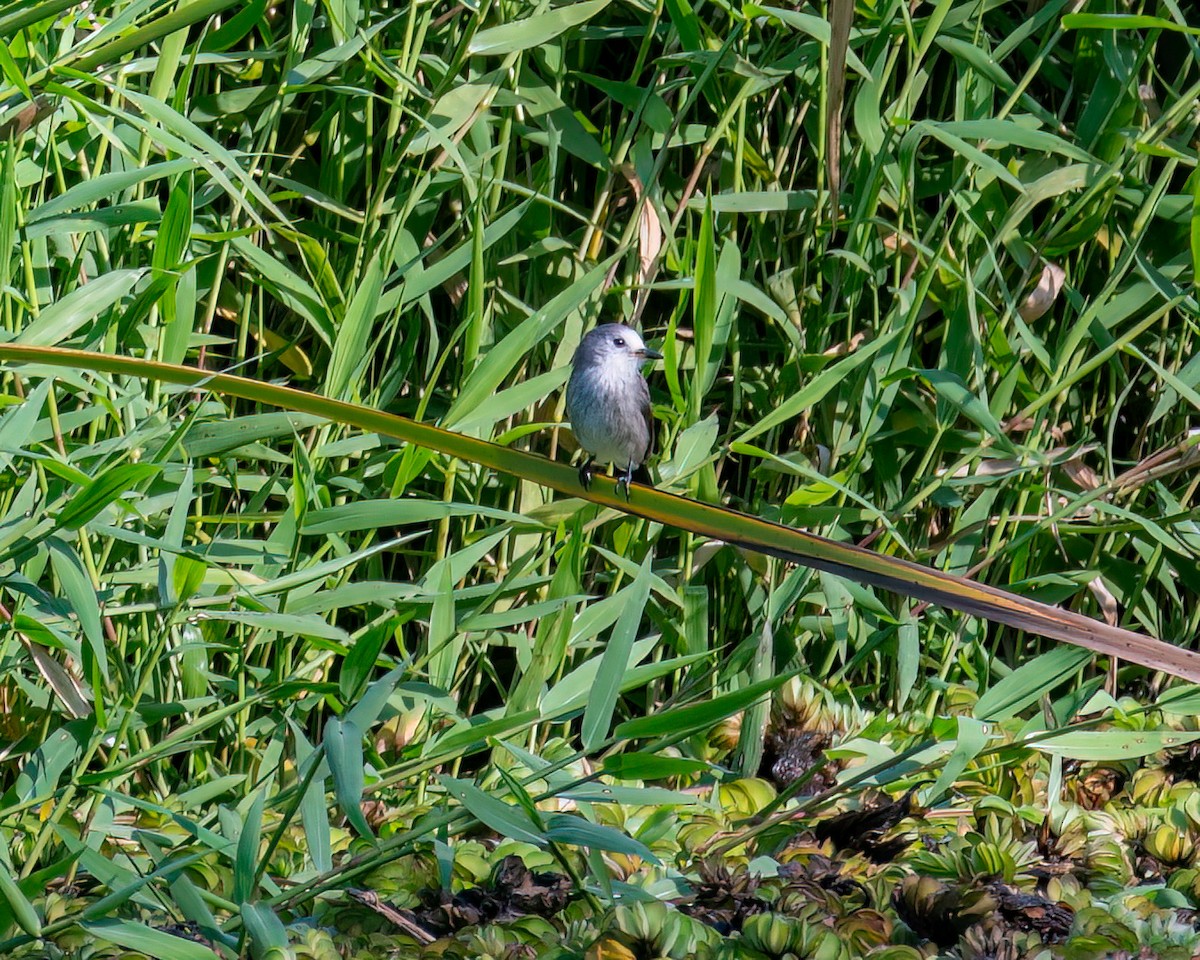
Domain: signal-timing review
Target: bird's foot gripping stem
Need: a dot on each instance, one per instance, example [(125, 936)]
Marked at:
[(624, 479), (585, 473)]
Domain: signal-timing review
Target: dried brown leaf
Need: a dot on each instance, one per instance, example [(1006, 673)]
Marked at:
[(650, 232), (1041, 298), (1083, 476), (1104, 596), (841, 17)]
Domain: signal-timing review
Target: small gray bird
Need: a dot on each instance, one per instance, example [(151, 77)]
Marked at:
[(608, 401)]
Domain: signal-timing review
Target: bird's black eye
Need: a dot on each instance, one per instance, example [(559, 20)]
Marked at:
[(619, 342)]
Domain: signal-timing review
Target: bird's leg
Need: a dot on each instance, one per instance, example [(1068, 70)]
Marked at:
[(625, 479), (585, 473)]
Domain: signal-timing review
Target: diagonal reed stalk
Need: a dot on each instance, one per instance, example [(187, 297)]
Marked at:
[(705, 520)]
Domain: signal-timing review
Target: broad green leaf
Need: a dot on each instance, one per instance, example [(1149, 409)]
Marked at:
[(649, 766), (597, 716), (219, 436), (104, 490), (704, 313), (344, 754), (81, 595), (9, 205), (525, 613), (451, 112), (908, 658), (190, 901), (1123, 21), (13, 74), (266, 930), (371, 704), (505, 819), (686, 24), (19, 907), (235, 27), (445, 642), (246, 861), (1027, 684), (533, 31), (972, 737), (463, 739), (761, 201), (17, 424), (564, 828), (197, 797), (288, 624), (170, 253), (1180, 701), (119, 215), (105, 187), (638, 796), (695, 716), (1194, 224), (345, 17), (313, 812), (545, 107), (147, 940), (42, 770), (168, 590), (379, 514), (350, 354), (1094, 745), (1011, 133), (61, 319), (170, 246)]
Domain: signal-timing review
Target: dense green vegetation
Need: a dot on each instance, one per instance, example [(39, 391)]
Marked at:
[(937, 299)]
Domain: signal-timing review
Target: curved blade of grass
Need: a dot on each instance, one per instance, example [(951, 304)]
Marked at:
[(15, 17), (246, 861), (597, 716), (506, 819), (145, 939), (344, 753), (264, 927), (703, 519), (1098, 745), (18, 904), (533, 31), (1027, 684), (180, 18)]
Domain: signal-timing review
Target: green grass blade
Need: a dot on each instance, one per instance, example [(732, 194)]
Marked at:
[(597, 716)]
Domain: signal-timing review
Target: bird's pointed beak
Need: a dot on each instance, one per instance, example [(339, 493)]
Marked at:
[(650, 354)]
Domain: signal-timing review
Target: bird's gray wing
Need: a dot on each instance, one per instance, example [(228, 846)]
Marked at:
[(649, 416)]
